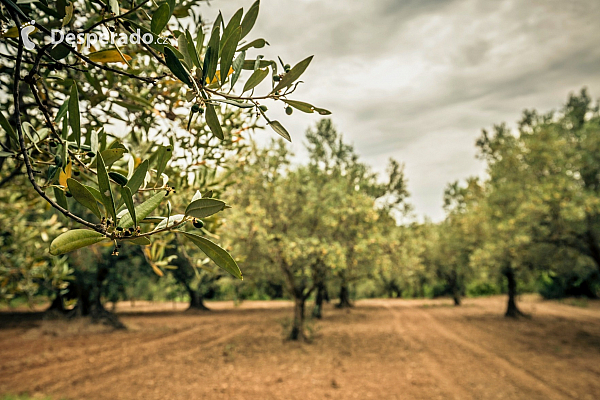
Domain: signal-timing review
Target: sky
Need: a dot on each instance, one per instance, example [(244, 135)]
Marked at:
[(417, 80)]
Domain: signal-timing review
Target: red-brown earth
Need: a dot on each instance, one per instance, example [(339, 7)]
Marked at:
[(380, 349)]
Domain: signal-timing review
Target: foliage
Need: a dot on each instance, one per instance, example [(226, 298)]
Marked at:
[(314, 222), (103, 134)]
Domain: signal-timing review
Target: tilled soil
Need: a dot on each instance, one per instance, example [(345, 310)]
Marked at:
[(380, 349)]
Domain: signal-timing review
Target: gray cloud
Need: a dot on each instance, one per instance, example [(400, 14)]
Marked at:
[(417, 79)]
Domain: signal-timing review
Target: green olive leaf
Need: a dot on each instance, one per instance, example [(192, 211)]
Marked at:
[(213, 121), (300, 105), (277, 127), (61, 199), (257, 44), (75, 239), (128, 199), (228, 53), (143, 210), (256, 78), (177, 67), (238, 65), (250, 19), (212, 53), (293, 75), (204, 207), (74, 117), (140, 241), (105, 190), (83, 196), (160, 18), (137, 179), (215, 253)]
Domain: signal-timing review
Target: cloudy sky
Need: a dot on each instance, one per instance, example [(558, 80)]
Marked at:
[(417, 80)]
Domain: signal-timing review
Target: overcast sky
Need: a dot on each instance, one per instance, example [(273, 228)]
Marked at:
[(417, 80)]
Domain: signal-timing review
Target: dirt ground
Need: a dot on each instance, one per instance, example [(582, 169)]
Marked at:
[(381, 349)]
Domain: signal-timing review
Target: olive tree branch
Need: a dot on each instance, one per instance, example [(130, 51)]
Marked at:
[(26, 160)]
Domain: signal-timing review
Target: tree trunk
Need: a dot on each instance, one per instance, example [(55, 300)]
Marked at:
[(456, 298), (297, 332), (455, 289), (321, 296), (344, 296), (512, 310), (196, 301), (89, 303), (57, 307)]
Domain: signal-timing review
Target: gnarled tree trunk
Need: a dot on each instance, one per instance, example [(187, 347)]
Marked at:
[(297, 332), (455, 288), (321, 297), (512, 310), (196, 300), (344, 296)]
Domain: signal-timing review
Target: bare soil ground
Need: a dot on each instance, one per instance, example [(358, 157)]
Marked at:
[(381, 349)]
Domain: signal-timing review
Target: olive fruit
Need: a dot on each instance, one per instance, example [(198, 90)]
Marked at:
[(276, 78), (288, 110), (198, 223), (195, 108), (287, 67)]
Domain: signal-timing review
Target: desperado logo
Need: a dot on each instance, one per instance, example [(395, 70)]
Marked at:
[(26, 30)]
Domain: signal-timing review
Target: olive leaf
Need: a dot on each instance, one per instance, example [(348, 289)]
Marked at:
[(176, 67), (140, 241), (257, 44), (322, 111), (109, 56), (143, 210), (294, 74), (238, 65), (61, 199), (202, 208), (160, 18), (114, 7), (213, 121), (9, 129), (74, 117), (228, 52), (232, 25), (83, 196), (300, 105), (172, 220), (96, 193), (192, 49), (105, 190), (250, 19), (75, 239), (182, 45), (256, 78), (213, 46), (137, 179), (215, 253), (277, 127), (128, 199)]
